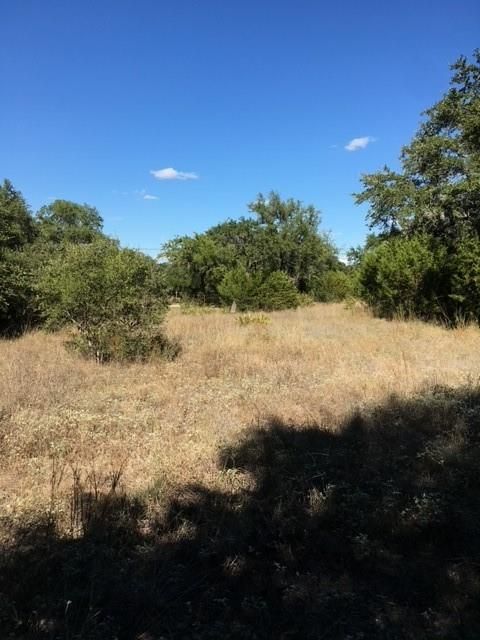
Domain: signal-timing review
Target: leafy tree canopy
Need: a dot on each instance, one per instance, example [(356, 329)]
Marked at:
[(110, 295), (16, 224), (65, 221), (282, 237), (438, 189)]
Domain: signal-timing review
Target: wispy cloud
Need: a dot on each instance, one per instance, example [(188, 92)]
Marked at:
[(172, 174), (147, 196), (359, 143)]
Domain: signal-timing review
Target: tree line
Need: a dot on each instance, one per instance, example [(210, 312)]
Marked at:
[(276, 259), (422, 257), (58, 268)]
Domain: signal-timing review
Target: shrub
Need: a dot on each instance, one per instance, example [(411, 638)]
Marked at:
[(402, 277), (113, 297), (252, 291), (242, 287), (463, 272), (277, 292), (333, 286), (18, 310), (253, 318), (305, 300)]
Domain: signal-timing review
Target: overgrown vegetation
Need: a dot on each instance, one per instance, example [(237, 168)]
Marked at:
[(58, 269), (260, 262), (425, 260)]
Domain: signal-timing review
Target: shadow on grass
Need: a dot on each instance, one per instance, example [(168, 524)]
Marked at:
[(369, 532)]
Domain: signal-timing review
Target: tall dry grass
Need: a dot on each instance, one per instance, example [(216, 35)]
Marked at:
[(314, 365), (310, 474)]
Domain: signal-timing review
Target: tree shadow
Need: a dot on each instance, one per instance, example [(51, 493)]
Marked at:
[(371, 531)]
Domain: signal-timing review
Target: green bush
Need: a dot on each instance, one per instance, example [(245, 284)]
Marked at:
[(333, 286), (305, 300), (253, 318), (402, 277), (462, 269), (18, 305), (241, 287), (254, 291), (114, 298), (277, 292)]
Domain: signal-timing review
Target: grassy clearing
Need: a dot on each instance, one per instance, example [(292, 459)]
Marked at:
[(313, 476)]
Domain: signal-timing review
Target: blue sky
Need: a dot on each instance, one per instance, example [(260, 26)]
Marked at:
[(238, 97)]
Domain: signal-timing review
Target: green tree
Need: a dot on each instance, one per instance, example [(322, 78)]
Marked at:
[(283, 236), (17, 231), (292, 242), (438, 189), (196, 266), (17, 227), (65, 221), (115, 299), (462, 274), (425, 260)]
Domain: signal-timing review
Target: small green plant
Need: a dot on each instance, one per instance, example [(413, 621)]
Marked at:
[(305, 300), (253, 318)]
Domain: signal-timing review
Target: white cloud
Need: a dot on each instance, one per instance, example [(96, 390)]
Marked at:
[(359, 143), (172, 174), (147, 196)]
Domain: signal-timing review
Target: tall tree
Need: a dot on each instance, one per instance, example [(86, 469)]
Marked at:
[(438, 189), (282, 237), (292, 240), (17, 231), (65, 221), (17, 227)]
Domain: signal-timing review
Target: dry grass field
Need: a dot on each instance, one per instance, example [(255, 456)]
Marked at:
[(314, 448)]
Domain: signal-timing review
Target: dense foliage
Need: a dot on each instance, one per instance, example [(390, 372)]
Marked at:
[(17, 232), (114, 297), (57, 268), (239, 260), (64, 221), (426, 259)]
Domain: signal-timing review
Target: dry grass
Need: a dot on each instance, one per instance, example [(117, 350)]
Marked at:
[(310, 476), (315, 365)]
